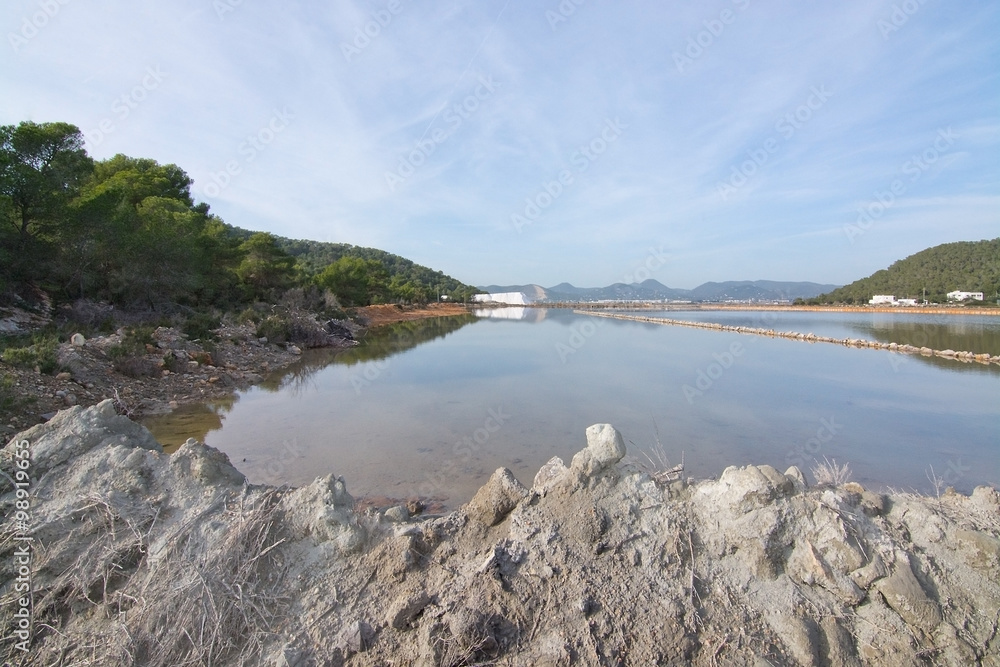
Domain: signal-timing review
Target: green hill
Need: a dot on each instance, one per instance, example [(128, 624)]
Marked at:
[(314, 256), (971, 266)]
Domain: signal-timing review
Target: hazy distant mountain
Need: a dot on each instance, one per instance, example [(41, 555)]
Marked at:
[(757, 290), (652, 290)]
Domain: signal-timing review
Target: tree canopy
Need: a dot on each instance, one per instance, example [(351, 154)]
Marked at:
[(127, 230), (41, 169)]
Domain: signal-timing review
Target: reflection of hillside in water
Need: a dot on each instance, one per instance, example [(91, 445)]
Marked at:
[(190, 421), (938, 333), (379, 343)]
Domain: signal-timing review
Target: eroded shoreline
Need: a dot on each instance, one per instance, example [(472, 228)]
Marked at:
[(138, 556)]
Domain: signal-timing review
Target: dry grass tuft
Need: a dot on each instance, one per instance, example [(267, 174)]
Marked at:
[(829, 473), (210, 595), (215, 605), (657, 464)]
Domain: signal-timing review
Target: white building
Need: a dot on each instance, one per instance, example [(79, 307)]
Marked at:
[(958, 295), (882, 300), (906, 302)]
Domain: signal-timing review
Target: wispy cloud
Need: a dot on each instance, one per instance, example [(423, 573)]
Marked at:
[(367, 82)]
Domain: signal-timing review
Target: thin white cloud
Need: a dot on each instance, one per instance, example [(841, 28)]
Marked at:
[(358, 114)]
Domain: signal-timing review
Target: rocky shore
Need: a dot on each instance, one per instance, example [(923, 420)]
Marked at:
[(138, 557), (173, 369)]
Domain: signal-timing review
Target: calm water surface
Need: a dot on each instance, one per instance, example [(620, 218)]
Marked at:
[(431, 408)]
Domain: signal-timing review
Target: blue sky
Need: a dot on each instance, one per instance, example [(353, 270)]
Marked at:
[(539, 142)]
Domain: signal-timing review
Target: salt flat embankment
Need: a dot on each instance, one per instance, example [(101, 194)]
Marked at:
[(963, 356)]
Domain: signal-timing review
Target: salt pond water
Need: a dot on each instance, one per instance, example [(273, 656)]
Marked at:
[(431, 408)]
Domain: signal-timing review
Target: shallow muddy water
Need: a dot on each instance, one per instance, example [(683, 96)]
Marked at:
[(431, 408)]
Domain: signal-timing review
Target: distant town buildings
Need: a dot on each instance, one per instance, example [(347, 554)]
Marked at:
[(891, 300), (958, 295)]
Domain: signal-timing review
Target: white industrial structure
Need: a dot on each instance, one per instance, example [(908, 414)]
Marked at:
[(509, 298), (958, 295)]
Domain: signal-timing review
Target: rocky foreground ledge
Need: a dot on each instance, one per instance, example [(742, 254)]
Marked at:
[(138, 557)]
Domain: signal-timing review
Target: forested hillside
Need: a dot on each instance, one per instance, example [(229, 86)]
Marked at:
[(403, 279), (971, 266), (127, 231)]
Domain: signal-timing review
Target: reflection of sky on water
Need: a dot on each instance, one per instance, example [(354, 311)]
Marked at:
[(393, 417)]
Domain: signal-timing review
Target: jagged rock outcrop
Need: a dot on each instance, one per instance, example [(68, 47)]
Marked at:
[(141, 557)]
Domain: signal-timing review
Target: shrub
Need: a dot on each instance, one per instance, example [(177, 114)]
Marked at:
[(8, 397), (174, 364), (133, 343), (129, 357), (275, 328), (41, 353), (200, 326), (248, 316)]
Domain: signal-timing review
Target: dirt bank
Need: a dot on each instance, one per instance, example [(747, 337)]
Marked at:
[(375, 316), (137, 557)]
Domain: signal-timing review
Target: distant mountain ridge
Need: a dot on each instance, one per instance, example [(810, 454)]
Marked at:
[(653, 290), (968, 266)]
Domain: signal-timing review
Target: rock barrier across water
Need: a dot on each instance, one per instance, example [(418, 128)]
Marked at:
[(966, 357)]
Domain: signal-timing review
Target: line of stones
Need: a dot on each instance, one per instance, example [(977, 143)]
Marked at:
[(966, 357)]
